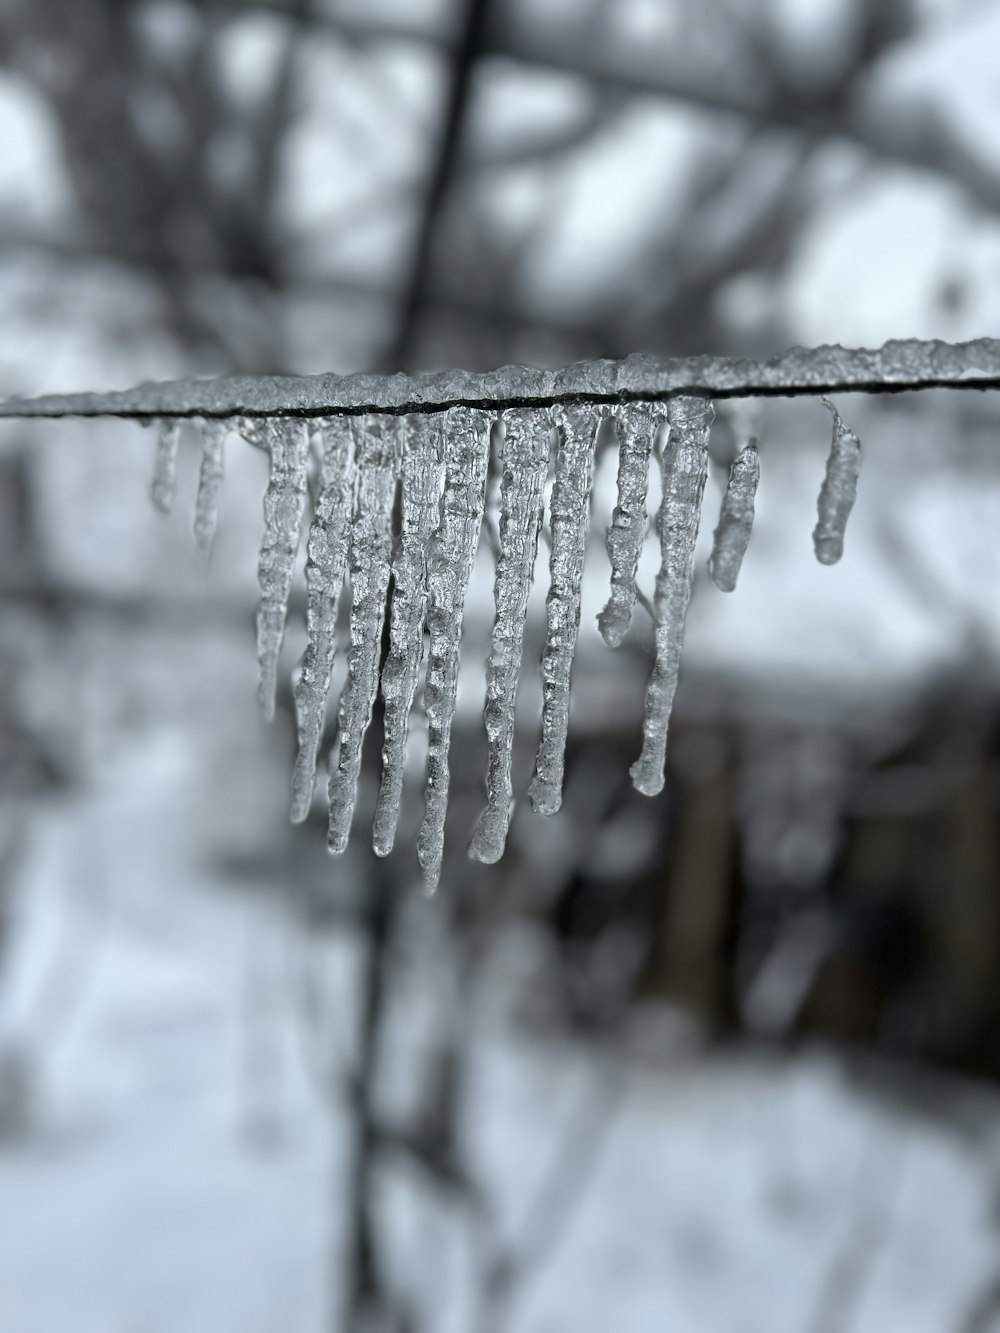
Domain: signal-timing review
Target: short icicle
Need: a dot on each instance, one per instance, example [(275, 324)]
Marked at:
[(326, 564), (636, 425), (569, 522), (210, 478), (736, 519), (525, 462), (684, 470), (422, 480), (839, 490), (452, 551), (376, 449), (287, 443), (164, 485)]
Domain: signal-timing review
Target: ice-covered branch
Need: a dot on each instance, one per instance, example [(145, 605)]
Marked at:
[(894, 368)]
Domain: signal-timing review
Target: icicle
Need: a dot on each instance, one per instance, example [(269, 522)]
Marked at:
[(570, 520), (736, 519), (376, 447), (450, 557), (636, 427), (838, 492), (213, 463), (287, 443), (326, 564), (422, 478), (525, 461), (685, 468), (164, 487)]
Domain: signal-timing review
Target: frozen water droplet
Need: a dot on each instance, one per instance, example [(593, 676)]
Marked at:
[(736, 519)]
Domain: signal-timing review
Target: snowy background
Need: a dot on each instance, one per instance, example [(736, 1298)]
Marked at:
[(604, 1084)]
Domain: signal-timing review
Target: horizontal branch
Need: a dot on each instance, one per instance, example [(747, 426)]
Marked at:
[(897, 367)]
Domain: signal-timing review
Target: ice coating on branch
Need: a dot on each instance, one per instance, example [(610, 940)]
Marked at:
[(684, 468), (525, 462), (287, 443), (736, 519), (569, 522), (636, 426), (376, 450), (210, 477), (326, 564), (452, 550), (800, 370), (164, 485), (838, 492), (422, 479)]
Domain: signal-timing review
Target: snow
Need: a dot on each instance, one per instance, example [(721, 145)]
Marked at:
[(173, 1177)]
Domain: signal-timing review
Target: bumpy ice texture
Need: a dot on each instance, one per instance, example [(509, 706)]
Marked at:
[(569, 520), (685, 468), (326, 565), (838, 492)]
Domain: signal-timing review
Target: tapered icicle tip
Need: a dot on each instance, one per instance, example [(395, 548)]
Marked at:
[(525, 464), (420, 509), (164, 484), (466, 447), (839, 490), (736, 519), (684, 465), (376, 442)]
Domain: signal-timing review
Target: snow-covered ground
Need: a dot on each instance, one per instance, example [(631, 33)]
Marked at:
[(178, 1170)]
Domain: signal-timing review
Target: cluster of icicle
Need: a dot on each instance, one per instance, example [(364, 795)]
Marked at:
[(430, 470)]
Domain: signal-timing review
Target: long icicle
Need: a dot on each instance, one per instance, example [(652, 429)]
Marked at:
[(732, 536), (376, 444), (636, 426), (287, 443), (422, 479), (525, 461), (839, 490), (569, 521), (164, 484), (450, 558), (326, 564), (685, 468), (210, 478)]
